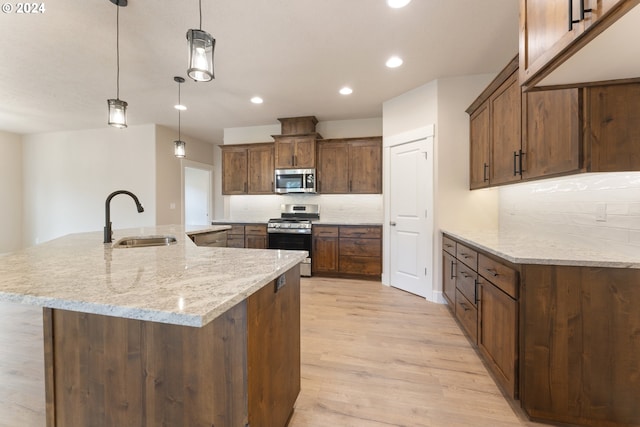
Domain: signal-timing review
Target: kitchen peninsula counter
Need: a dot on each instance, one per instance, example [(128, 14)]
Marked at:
[(163, 335)]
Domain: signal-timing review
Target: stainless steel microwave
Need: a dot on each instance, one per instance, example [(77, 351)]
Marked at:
[(295, 181)]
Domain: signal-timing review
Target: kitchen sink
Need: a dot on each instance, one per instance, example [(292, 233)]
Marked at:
[(143, 241)]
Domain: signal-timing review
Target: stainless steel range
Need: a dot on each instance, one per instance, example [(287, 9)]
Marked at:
[(292, 231)]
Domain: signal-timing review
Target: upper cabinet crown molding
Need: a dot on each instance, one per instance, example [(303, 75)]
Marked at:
[(574, 43)]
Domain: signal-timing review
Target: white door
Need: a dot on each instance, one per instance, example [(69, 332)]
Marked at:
[(197, 196), (410, 215)]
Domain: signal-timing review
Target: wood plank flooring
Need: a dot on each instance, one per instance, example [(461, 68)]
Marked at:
[(372, 356)]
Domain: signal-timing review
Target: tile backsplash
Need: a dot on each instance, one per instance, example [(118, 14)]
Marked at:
[(337, 208), (603, 207)]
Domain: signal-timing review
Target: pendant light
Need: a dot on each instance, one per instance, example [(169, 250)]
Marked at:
[(179, 149), (201, 46), (118, 107)]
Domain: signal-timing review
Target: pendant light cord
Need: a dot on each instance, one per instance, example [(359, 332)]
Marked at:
[(117, 51), (179, 103), (200, 7)]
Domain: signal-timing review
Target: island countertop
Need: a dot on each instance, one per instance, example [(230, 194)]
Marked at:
[(180, 284)]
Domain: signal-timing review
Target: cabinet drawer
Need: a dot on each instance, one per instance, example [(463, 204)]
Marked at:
[(255, 230), (449, 245), (325, 231), (467, 314), (217, 238), (368, 232), (363, 266), (236, 229), (499, 274), (467, 255), (235, 241), (361, 247), (466, 282)]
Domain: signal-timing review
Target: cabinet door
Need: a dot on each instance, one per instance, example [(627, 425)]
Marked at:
[(498, 333), (261, 173), (544, 31), (325, 254), (284, 152), (552, 143), (365, 167), (304, 155), (479, 143), (255, 236), (234, 171), (333, 168), (614, 128), (273, 351), (506, 114), (449, 278)]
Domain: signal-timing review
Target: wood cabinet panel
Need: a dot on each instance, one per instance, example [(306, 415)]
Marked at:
[(333, 168), (467, 314), (295, 151), (273, 324), (466, 282), (347, 251), (614, 127), (255, 236), (506, 113), (449, 245), (480, 125), (502, 276), (234, 170), (552, 143), (365, 166), (498, 333), (325, 254), (467, 255), (371, 232), (261, 172), (361, 247), (449, 266), (360, 265), (581, 345)]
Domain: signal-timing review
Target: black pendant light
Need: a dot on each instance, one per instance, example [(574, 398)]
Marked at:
[(118, 107), (179, 149), (201, 46)]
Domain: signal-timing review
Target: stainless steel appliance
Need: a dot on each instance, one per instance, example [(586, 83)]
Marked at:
[(292, 231), (295, 181)]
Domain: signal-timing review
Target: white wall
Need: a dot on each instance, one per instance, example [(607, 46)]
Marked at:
[(443, 103), (334, 208), (569, 206), (11, 191), (169, 185), (68, 176)]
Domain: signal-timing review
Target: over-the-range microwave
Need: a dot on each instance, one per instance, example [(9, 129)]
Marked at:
[(295, 181)]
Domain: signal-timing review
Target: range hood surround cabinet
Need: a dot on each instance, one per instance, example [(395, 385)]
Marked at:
[(597, 51), (295, 148)]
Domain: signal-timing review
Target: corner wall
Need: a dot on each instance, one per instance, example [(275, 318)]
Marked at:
[(68, 176), (11, 190)]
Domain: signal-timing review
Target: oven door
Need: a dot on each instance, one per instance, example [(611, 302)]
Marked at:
[(293, 242)]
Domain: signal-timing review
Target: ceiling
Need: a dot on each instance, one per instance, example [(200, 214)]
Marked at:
[(59, 66)]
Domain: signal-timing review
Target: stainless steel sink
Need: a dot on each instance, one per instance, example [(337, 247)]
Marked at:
[(142, 241)]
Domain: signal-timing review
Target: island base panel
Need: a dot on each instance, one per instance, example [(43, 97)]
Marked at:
[(109, 371)]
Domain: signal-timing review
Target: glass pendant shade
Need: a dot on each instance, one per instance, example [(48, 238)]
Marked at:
[(201, 46), (179, 149), (117, 113)]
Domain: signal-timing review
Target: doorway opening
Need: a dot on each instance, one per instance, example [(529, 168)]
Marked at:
[(197, 192)]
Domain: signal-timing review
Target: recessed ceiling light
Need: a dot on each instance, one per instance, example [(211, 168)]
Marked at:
[(346, 91), (180, 107), (257, 100), (394, 62), (397, 4)]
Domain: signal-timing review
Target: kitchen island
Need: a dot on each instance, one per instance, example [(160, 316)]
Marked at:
[(164, 335)]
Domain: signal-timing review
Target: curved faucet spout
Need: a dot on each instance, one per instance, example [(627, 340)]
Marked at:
[(108, 234)]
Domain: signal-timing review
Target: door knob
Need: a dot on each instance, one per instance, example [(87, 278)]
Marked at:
[(392, 223)]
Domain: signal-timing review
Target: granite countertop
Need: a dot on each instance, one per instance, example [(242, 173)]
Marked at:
[(181, 284), (522, 247), (347, 222), (203, 229), (237, 221)]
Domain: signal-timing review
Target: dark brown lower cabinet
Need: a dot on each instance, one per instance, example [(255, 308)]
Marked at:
[(325, 249), (449, 277), (242, 367)]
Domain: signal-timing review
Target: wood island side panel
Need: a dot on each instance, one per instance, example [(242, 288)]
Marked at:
[(109, 371), (581, 346)]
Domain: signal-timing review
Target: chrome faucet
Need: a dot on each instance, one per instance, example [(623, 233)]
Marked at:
[(108, 234)]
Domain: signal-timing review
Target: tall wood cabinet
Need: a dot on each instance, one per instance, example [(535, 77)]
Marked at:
[(352, 165), (553, 30), (247, 169)]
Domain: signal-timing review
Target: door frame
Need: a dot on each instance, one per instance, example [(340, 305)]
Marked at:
[(388, 142), (185, 163)]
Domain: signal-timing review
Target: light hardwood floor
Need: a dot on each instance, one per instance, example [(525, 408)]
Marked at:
[(372, 356)]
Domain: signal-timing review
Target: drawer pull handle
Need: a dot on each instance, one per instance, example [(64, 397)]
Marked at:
[(453, 276), (464, 306), (492, 272), (464, 274)]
